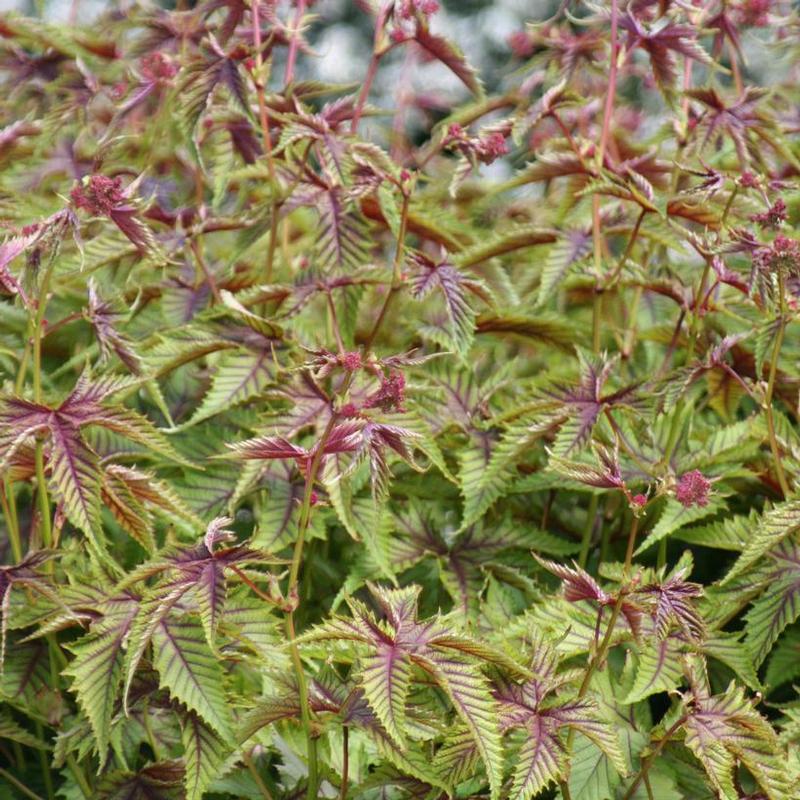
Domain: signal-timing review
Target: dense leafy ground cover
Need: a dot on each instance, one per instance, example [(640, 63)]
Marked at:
[(446, 449)]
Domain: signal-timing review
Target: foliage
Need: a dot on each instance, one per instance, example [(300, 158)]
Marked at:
[(441, 450)]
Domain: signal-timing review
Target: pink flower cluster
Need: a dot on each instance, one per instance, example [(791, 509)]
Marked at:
[(773, 217), (351, 361), (406, 9), (486, 148), (753, 13), (391, 395), (783, 255), (157, 67), (98, 194), (693, 489)]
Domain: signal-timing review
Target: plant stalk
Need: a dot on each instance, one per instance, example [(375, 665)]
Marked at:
[(773, 371), (648, 762), (345, 763), (41, 482), (9, 504)]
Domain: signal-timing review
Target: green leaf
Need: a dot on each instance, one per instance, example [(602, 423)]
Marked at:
[(11, 730), (779, 605), (591, 774), (386, 678), (675, 516), (658, 669), (239, 376), (97, 674), (188, 668), (776, 524), (75, 478), (468, 691), (539, 760), (204, 754)]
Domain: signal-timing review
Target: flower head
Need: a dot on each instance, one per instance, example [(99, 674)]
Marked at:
[(747, 180), (754, 13), (408, 8), (773, 217), (783, 255), (98, 194), (491, 147), (521, 44), (692, 489), (157, 67), (351, 361), (391, 395)]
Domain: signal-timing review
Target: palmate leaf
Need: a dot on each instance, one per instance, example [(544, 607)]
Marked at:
[(469, 692), (539, 761), (657, 669), (450, 55), (779, 604), (97, 672), (662, 45), (188, 669), (724, 729), (451, 659), (453, 286), (386, 679), (204, 754), (73, 465), (458, 758), (159, 781), (193, 577), (201, 77), (239, 376), (75, 477), (776, 524)]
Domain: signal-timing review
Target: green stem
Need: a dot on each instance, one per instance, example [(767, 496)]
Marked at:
[(729, 204), (601, 652), (661, 558), (693, 330), (628, 249), (305, 517), (773, 371), (44, 763), (80, 778), (588, 528), (20, 786), (148, 729), (648, 762), (9, 504), (44, 503), (291, 633), (396, 273), (345, 763), (41, 492), (262, 787)]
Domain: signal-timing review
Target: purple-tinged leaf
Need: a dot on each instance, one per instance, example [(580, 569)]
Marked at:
[(451, 56)]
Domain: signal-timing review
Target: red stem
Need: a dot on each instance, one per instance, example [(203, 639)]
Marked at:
[(612, 82), (295, 43), (364, 94)]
